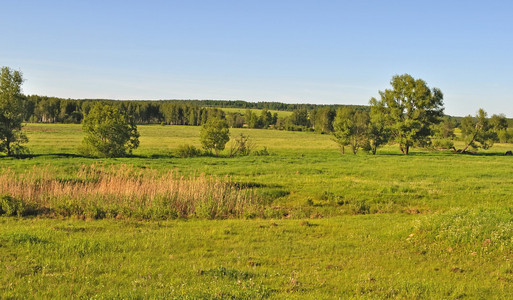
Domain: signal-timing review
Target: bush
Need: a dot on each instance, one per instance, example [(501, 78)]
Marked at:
[(262, 152), (443, 144), (241, 145), (360, 207), (185, 151), (109, 132), (214, 135), (10, 206)]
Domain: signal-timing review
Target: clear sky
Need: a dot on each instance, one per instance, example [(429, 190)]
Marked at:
[(323, 52)]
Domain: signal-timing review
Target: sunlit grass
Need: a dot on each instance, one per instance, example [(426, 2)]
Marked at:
[(305, 171), (433, 224), (366, 256)]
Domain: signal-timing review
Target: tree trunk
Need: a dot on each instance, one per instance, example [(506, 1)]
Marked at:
[(468, 145), (407, 150)]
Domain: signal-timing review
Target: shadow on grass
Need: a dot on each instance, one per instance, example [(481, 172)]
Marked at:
[(440, 153), (58, 155), (71, 155), (249, 184), (484, 154)]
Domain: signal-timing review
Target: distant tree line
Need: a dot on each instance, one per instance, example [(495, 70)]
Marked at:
[(436, 131), (304, 117), (410, 114), (41, 109)]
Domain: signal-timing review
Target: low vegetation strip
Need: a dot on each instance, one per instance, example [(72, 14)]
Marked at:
[(122, 191)]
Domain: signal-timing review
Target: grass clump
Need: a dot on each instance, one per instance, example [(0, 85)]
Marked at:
[(474, 230), (10, 206), (99, 192)]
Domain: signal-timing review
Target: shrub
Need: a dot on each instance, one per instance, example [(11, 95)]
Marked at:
[(109, 132), (10, 206), (443, 144), (185, 151), (359, 207), (262, 152), (214, 135), (242, 145)]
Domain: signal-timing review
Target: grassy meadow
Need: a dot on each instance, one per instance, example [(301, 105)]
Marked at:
[(281, 113), (301, 222)]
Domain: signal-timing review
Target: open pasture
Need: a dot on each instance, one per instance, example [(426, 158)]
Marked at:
[(428, 225), (281, 113), (304, 172)]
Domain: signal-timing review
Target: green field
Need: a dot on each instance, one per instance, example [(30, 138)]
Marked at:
[(432, 224), (281, 113)]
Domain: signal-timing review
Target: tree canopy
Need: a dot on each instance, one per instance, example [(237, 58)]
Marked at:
[(350, 128), (214, 135), (109, 132), (410, 108), (12, 104), (477, 132)]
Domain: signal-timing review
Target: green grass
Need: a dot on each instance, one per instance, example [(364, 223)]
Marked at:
[(305, 171), (428, 225), (365, 256)]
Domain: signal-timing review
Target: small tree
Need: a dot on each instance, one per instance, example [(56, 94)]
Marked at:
[(351, 128), (500, 126), (477, 132), (378, 133), (342, 127), (12, 104), (241, 145), (109, 132), (321, 119), (299, 117), (214, 135)]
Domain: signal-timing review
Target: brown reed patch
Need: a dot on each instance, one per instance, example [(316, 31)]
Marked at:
[(124, 191)]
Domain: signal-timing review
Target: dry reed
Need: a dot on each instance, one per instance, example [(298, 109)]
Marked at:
[(125, 191)]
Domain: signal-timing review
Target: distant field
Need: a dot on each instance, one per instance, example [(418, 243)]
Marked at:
[(281, 113), (429, 225)]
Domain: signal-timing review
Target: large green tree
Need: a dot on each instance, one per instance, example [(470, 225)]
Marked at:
[(109, 131), (410, 109), (214, 135), (12, 104)]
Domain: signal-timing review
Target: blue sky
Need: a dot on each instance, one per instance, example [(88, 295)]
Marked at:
[(332, 52)]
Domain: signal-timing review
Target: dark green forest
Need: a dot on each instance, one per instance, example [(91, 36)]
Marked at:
[(43, 109)]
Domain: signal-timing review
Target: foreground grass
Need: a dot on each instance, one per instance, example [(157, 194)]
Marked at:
[(428, 225), (373, 256)]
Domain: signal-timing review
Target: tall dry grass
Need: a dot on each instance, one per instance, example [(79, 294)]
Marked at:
[(124, 191)]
